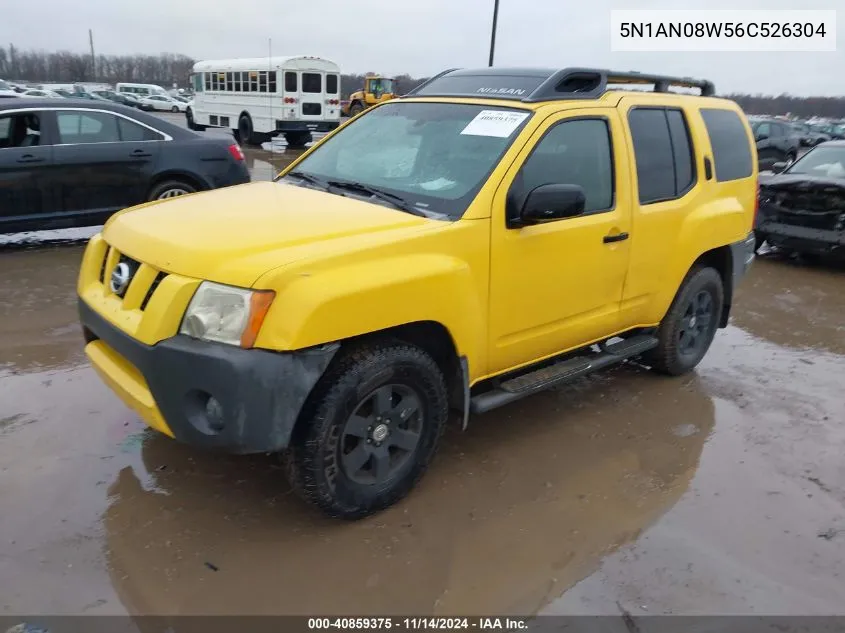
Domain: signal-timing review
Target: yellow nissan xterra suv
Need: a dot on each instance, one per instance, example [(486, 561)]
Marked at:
[(494, 233)]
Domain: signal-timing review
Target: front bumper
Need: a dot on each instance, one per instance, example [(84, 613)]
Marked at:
[(169, 384), (802, 236)]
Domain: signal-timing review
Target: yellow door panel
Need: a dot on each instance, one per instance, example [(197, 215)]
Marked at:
[(558, 285)]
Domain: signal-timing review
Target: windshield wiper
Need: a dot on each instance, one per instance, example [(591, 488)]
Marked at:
[(397, 201), (308, 178)]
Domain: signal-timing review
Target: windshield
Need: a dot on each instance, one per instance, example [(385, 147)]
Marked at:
[(824, 162), (435, 156)]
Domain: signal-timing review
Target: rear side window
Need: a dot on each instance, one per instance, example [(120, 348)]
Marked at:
[(663, 153), (312, 82), (290, 82), (729, 140), (130, 131)]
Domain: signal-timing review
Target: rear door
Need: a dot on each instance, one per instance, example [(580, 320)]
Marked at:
[(767, 153), (312, 95), (26, 191), (102, 162)]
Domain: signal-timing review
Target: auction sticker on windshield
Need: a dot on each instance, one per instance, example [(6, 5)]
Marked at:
[(500, 123)]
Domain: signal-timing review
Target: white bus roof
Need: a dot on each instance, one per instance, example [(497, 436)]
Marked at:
[(260, 63)]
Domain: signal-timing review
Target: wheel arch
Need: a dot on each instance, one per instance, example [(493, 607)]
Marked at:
[(720, 259), (195, 180)]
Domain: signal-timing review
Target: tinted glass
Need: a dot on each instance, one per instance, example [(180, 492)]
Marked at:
[(130, 131), (87, 127), (290, 82), (682, 150), (653, 154), (312, 82), (500, 86), (729, 140), (573, 153), (331, 84), (20, 130)]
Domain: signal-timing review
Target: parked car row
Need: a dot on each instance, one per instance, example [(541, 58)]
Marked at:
[(75, 162)]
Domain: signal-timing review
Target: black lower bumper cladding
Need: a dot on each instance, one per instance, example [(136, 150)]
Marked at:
[(215, 395)]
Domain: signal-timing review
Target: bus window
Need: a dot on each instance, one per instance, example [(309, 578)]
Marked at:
[(207, 81), (331, 84), (312, 82), (273, 75), (237, 81), (290, 82), (229, 82), (262, 81)]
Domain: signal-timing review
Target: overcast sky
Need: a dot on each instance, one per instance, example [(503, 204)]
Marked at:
[(419, 37)]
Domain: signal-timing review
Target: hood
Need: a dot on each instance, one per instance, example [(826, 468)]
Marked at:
[(234, 235), (803, 183)]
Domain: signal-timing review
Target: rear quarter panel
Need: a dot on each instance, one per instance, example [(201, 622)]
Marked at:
[(670, 236)]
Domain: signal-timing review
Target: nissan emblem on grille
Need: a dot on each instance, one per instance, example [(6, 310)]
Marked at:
[(120, 278)]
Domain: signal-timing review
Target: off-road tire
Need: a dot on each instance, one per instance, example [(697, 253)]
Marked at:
[(356, 108), (313, 462), (667, 358)]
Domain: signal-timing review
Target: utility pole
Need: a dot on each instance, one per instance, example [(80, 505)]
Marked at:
[(493, 33), (93, 58)]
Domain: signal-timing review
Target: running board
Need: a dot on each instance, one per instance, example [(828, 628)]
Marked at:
[(562, 372)]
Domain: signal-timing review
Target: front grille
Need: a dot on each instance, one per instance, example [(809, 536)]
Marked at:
[(138, 283), (312, 109)]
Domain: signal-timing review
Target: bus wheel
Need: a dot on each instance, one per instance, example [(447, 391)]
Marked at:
[(246, 135), (297, 140)]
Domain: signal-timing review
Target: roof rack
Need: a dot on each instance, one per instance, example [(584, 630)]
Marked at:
[(533, 85)]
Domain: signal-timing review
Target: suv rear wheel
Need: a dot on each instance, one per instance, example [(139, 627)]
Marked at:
[(369, 431), (687, 330)]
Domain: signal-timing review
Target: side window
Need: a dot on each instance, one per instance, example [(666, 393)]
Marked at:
[(272, 81), (312, 82), (729, 140), (573, 153), (663, 153), (130, 131), (290, 82), (764, 130), (331, 84), (87, 127), (20, 130)]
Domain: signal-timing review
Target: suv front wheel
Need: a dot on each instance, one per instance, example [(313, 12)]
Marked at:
[(687, 330), (369, 430)]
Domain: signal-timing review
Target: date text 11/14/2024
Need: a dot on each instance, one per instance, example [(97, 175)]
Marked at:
[(419, 624)]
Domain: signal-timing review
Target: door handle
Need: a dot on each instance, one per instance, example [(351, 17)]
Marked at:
[(29, 158), (619, 237), (139, 153)]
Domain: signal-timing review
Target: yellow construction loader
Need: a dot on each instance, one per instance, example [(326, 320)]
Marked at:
[(376, 89)]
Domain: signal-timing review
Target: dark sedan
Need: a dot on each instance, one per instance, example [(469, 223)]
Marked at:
[(802, 206), (71, 163)]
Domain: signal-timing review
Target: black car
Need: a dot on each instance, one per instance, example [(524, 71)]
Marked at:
[(117, 97), (802, 206), (74, 163), (776, 142)]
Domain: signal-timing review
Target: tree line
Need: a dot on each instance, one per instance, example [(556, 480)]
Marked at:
[(166, 69)]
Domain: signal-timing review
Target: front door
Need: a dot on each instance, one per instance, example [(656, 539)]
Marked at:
[(100, 171), (26, 193), (767, 152), (558, 285)]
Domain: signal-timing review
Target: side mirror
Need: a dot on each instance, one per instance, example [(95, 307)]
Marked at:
[(548, 203), (778, 167)]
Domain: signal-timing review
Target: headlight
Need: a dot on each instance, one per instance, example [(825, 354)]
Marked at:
[(226, 314)]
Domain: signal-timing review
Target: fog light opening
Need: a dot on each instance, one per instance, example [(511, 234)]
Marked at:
[(205, 412)]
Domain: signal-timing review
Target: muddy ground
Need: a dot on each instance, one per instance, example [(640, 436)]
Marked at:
[(720, 492)]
